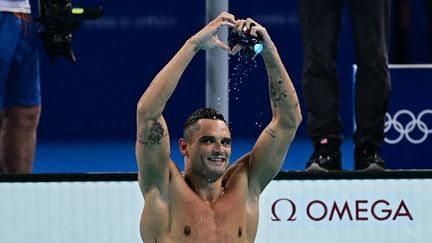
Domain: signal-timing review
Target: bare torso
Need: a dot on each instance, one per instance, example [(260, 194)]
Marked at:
[(185, 217)]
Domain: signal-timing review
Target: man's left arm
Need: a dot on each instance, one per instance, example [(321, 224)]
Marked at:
[(271, 148)]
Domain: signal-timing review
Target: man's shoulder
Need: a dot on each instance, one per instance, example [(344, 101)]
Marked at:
[(173, 167), (240, 164), (238, 170)]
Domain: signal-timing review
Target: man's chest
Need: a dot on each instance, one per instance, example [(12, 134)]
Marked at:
[(222, 223), (225, 219)]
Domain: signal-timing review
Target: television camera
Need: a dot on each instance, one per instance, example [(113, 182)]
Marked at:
[(59, 19)]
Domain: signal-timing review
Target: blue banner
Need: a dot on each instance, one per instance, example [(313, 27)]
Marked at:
[(408, 124)]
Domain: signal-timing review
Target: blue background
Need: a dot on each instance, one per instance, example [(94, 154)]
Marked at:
[(411, 92), (88, 116)]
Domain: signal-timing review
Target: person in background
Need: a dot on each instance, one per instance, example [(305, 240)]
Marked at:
[(320, 25), (20, 99), (429, 21)]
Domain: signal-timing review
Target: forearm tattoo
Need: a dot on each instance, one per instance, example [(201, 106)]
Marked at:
[(277, 92), (270, 64), (270, 132), (155, 135)]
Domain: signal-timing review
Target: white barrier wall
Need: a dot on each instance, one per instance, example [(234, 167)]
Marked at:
[(310, 211), (70, 212), (301, 211)]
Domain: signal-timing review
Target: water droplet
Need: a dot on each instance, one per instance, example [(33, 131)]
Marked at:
[(219, 98)]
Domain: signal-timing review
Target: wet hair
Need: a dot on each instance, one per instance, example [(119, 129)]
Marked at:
[(202, 113)]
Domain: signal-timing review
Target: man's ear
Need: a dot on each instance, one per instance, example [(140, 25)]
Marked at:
[(183, 147)]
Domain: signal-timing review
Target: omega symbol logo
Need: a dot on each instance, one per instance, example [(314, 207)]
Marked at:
[(291, 204)]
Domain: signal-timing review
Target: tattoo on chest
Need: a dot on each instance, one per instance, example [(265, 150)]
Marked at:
[(277, 92), (155, 135)]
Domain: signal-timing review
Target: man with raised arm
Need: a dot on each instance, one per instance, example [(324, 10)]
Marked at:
[(211, 202)]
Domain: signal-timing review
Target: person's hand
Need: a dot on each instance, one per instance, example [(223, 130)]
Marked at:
[(256, 30), (207, 38)]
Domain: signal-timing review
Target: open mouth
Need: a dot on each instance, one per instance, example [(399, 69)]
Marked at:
[(219, 160)]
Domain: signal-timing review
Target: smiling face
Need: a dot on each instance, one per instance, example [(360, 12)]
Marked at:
[(208, 149)]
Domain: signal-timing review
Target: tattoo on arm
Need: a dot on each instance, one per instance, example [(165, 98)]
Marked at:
[(270, 64), (277, 93), (270, 132), (155, 135)]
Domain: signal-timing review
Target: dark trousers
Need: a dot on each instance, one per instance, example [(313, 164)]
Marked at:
[(320, 23)]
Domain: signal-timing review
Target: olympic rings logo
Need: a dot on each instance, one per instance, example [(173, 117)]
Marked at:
[(405, 131)]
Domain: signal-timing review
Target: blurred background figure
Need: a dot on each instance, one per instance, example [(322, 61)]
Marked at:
[(320, 25), (411, 32), (20, 101), (429, 17)]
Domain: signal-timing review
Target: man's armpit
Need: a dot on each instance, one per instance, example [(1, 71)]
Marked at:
[(153, 136)]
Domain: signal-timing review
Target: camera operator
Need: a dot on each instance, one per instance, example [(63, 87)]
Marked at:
[(20, 99)]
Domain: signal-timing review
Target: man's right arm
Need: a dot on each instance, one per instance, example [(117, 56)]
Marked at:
[(152, 144)]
